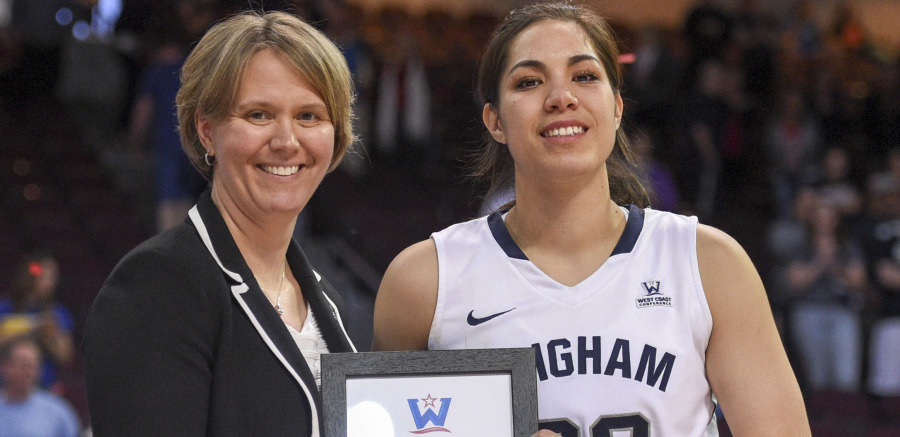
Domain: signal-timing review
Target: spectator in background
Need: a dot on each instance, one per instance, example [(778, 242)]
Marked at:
[(343, 25), (707, 28), (734, 145), (40, 40), (827, 283), (25, 409), (792, 146), (784, 235), (177, 184), (132, 28), (706, 112), (652, 80), (834, 184), (403, 124), (787, 232), (852, 114), (801, 45), (32, 309), (753, 31), (881, 238), (449, 68)]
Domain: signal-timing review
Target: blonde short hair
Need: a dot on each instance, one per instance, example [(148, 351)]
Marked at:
[(212, 73)]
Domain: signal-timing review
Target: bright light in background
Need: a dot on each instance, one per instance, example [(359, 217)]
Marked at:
[(32, 192), (81, 30), (104, 16), (64, 16), (369, 419), (103, 20)]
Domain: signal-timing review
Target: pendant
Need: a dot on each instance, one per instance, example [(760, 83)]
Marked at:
[(279, 309)]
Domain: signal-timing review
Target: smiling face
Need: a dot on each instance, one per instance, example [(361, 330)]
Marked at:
[(273, 149), (557, 111)]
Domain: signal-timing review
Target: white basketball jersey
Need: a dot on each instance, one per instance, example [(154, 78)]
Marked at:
[(624, 350)]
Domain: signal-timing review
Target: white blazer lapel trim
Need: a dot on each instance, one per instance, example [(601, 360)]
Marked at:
[(194, 214), (238, 291), (337, 315)]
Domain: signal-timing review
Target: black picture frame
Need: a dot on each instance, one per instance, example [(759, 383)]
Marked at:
[(518, 363)]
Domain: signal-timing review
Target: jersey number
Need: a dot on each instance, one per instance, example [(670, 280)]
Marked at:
[(637, 424)]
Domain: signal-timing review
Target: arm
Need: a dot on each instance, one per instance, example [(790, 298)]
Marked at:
[(853, 274), (746, 364), (149, 348), (802, 274), (404, 307), (55, 339), (887, 273)]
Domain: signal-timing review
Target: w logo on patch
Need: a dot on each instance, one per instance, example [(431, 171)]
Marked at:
[(651, 287), (422, 418), (653, 297)]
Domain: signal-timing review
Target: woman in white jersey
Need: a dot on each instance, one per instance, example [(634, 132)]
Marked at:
[(639, 319)]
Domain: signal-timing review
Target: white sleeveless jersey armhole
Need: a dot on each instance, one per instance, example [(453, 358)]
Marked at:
[(625, 346)]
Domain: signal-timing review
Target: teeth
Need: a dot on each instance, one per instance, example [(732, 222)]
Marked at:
[(281, 171), (566, 131)]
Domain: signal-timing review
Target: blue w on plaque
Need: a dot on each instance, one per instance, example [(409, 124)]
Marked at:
[(425, 415)]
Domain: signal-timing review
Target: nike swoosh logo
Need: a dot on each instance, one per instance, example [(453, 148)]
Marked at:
[(475, 321)]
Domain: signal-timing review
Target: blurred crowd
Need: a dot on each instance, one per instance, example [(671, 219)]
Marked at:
[(785, 132), (779, 128)]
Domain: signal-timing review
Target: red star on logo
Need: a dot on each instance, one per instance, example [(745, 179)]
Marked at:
[(429, 400)]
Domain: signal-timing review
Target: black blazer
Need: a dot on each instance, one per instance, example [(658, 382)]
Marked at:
[(181, 341)]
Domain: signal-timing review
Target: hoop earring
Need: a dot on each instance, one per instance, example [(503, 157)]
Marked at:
[(206, 159)]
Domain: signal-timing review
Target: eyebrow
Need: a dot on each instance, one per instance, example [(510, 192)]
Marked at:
[(267, 105), (251, 104), (540, 65)]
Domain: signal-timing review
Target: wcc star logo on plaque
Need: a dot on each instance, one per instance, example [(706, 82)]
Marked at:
[(425, 415)]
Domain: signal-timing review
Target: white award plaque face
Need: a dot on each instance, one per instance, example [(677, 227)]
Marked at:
[(464, 393), (461, 404)]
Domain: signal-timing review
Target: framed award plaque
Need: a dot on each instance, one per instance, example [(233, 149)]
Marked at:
[(468, 392)]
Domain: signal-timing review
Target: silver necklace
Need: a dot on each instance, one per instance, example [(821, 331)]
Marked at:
[(278, 306)]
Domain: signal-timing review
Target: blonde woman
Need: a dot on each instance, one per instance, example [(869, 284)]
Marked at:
[(215, 327)]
